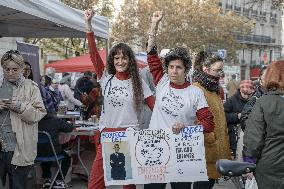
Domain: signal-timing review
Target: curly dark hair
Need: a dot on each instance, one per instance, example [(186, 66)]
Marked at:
[(178, 53), (205, 59), (132, 69)]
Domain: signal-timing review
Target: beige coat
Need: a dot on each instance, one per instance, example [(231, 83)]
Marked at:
[(216, 142), (25, 123)]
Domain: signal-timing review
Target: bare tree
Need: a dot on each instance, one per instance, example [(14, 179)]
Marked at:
[(193, 24)]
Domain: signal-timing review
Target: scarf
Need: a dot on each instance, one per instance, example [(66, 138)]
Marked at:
[(209, 82), (17, 83)]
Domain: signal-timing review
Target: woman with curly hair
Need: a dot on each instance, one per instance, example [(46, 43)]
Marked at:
[(264, 133), (208, 68), (123, 90), (178, 103)]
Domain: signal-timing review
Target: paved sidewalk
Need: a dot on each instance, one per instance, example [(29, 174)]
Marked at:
[(79, 184)]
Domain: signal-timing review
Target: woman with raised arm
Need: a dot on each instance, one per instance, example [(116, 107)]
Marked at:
[(208, 68), (123, 90), (178, 103)]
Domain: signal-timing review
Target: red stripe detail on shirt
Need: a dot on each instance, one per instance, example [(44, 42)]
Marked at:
[(156, 67), (150, 101), (205, 116), (122, 75), (183, 86), (95, 56)]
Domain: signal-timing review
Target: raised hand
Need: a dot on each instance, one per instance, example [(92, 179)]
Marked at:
[(157, 16), (89, 13), (177, 127)]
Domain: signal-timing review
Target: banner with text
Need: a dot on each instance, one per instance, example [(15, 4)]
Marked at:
[(154, 156)]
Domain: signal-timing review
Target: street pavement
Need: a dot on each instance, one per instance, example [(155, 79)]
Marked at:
[(79, 184)]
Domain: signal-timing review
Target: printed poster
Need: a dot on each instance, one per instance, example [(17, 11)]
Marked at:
[(154, 156)]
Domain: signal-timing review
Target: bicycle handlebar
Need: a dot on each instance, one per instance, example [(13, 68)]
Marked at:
[(234, 168)]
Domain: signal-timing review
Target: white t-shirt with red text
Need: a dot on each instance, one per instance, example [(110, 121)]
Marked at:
[(118, 109), (176, 105)]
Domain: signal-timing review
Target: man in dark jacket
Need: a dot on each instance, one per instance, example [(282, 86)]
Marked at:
[(233, 108), (53, 125), (117, 163)]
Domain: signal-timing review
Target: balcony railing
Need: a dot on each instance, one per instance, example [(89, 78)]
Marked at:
[(255, 39)]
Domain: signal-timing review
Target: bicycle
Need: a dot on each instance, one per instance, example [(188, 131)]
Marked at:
[(235, 171)]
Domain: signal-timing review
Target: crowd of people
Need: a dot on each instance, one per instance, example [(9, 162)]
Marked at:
[(158, 97)]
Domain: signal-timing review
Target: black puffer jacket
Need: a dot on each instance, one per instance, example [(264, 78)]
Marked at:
[(53, 126), (249, 105), (233, 106)]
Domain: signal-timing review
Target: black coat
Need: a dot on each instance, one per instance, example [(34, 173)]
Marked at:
[(249, 105), (53, 126), (117, 163), (233, 106)]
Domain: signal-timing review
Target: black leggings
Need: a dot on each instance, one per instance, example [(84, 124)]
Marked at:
[(18, 175), (65, 164)]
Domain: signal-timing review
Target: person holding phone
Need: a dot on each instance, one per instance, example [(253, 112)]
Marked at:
[(21, 108)]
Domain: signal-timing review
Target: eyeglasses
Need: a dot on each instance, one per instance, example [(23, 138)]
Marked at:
[(13, 70), (219, 71), (9, 54)]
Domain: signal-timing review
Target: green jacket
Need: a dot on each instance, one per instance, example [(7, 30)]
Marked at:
[(264, 140)]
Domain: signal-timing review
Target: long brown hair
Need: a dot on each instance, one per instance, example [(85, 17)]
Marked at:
[(274, 76), (132, 70)]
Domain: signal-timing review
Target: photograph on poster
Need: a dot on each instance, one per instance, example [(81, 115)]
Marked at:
[(118, 161)]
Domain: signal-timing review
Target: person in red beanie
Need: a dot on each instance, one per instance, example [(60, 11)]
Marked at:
[(233, 108)]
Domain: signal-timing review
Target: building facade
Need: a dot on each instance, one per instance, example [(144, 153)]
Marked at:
[(264, 44)]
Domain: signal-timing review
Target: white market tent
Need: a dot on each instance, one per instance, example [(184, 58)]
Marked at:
[(46, 19)]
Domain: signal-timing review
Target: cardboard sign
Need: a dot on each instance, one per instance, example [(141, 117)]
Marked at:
[(154, 156)]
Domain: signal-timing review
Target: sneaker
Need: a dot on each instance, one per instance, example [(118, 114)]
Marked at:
[(46, 183), (59, 184)]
